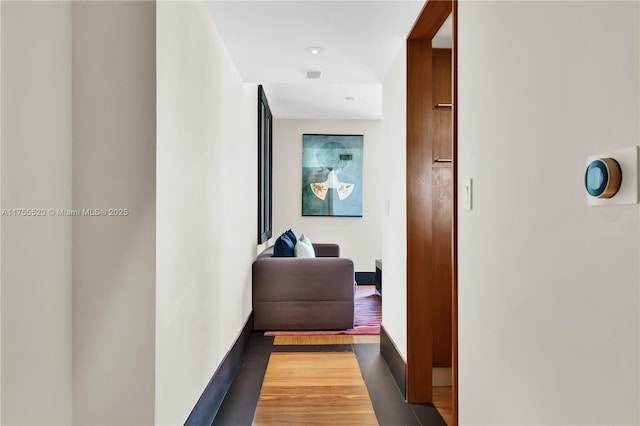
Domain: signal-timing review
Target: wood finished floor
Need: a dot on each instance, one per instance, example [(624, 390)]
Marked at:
[(443, 401), (313, 389), (442, 396), (338, 379), (325, 340)]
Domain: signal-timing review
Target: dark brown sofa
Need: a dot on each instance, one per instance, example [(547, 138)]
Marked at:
[(291, 293)]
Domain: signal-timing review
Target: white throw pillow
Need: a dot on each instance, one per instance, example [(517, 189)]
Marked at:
[(304, 247)]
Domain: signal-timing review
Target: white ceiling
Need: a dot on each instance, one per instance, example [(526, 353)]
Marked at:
[(444, 37), (361, 39)]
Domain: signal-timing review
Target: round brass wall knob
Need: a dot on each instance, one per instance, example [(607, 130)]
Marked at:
[(603, 178)]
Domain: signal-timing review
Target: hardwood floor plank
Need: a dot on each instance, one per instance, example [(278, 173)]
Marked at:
[(313, 388), (345, 419), (326, 340), (442, 399)]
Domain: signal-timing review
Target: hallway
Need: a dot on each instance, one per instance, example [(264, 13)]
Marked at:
[(312, 381)]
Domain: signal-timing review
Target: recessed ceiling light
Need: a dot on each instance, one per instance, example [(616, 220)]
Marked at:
[(314, 50), (349, 98)]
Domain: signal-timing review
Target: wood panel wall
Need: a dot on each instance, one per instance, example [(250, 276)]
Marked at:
[(442, 265), (442, 205), (419, 217), (442, 137)]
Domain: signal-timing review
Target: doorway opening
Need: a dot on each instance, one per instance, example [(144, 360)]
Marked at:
[(431, 211)]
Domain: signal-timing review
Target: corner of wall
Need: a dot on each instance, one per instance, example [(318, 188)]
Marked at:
[(114, 167), (394, 221)]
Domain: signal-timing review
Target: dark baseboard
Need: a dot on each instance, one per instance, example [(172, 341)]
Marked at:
[(211, 399), (394, 360), (366, 278)]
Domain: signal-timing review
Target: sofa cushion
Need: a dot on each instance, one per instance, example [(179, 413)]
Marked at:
[(304, 247), (283, 247), (291, 236)]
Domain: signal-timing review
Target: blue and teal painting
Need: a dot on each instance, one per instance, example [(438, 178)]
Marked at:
[(332, 175)]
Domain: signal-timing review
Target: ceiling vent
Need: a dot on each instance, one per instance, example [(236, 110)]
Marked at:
[(313, 75)]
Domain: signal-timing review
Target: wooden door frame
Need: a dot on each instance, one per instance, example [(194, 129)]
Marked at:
[(419, 209), (454, 283)]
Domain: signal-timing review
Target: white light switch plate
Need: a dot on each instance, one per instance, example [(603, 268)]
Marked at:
[(467, 194), (628, 192)]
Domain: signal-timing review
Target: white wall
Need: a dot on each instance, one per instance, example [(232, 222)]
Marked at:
[(359, 238), (36, 251), (206, 218), (394, 223), (0, 208), (548, 287), (114, 131)]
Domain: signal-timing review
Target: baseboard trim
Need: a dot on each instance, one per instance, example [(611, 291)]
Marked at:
[(211, 399), (366, 278), (394, 360)]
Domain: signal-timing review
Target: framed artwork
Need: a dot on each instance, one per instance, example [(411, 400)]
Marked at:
[(265, 174), (332, 175)]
